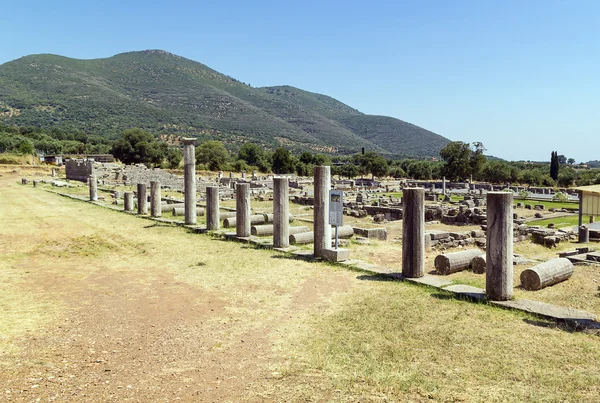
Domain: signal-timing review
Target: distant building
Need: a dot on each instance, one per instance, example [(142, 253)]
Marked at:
[(95, 157), (51, 159)]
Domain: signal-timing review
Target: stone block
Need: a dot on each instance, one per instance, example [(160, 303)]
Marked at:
[(336, 255)]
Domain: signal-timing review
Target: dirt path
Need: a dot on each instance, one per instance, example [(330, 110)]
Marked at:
[(124, 314)]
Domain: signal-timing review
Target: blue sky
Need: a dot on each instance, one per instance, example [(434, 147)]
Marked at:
[(522, 77)]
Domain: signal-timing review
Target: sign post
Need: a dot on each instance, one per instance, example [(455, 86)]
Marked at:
[(336, 211)]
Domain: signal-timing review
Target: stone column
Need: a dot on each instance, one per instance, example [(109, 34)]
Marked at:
[(189, 177), (128, 201), (142, 198), (413, 232), (242, 209), (444, 185), (243, 174), (93, 188), (212, 208), (53, 172), (322, 228), (281, 212), (155, 210), (499, 246)]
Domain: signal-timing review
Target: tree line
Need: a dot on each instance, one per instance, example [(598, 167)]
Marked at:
[(458, 161)]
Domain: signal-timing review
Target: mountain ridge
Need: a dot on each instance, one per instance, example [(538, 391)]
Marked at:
[(169, 94)]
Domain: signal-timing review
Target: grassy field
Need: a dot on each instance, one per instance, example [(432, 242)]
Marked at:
[(98, 305), (561, 222), (549, 204)]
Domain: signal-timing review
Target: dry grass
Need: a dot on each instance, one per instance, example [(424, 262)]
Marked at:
[(319, 333), (393, 342)]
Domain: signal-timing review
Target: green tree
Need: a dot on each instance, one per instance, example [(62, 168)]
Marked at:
[(26, 147), (461, 160), (371, 162), (251, 153), (174, 157), (349, 170), (138, 146), (567, 177), (283, 163), (213, 154)]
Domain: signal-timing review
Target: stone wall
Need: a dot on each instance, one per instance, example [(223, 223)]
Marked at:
[(79, 170)]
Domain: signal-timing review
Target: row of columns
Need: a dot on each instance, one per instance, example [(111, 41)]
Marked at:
[(499, 251)]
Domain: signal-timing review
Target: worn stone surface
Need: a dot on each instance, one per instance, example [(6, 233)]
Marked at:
[(242, 209), (128, 201), (155, 198), (499, 250), (93, 184), (336, 255), (456, 261), (281, 212), (413, 233), (546, 274), (212, 208), (142, 199), (322, 229), (546, 310), (189, 178), (431, 281), (467, 291)]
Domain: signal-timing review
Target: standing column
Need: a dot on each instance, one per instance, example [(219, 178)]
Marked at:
[(281, 212), (155, 210), (322, 228), (444, 185), (242, 210), (142, 198), (93, 188), (189, 177), (212, 208), (499, 246), (413, 232), (53, 172), (128, 201)]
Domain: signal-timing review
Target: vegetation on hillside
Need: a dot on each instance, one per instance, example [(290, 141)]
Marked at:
[(165, 94)]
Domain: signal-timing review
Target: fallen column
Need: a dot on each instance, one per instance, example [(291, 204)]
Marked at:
[(268, 229), (499, 246), (452, 262), (212, 208), (254, 219), (478, 264), (270, 217), (227, 214), (546, 274), (345, 231), (413, 232), (165, 208), (179, 211)]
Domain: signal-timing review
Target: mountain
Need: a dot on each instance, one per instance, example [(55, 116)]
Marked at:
[(168, 94)]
